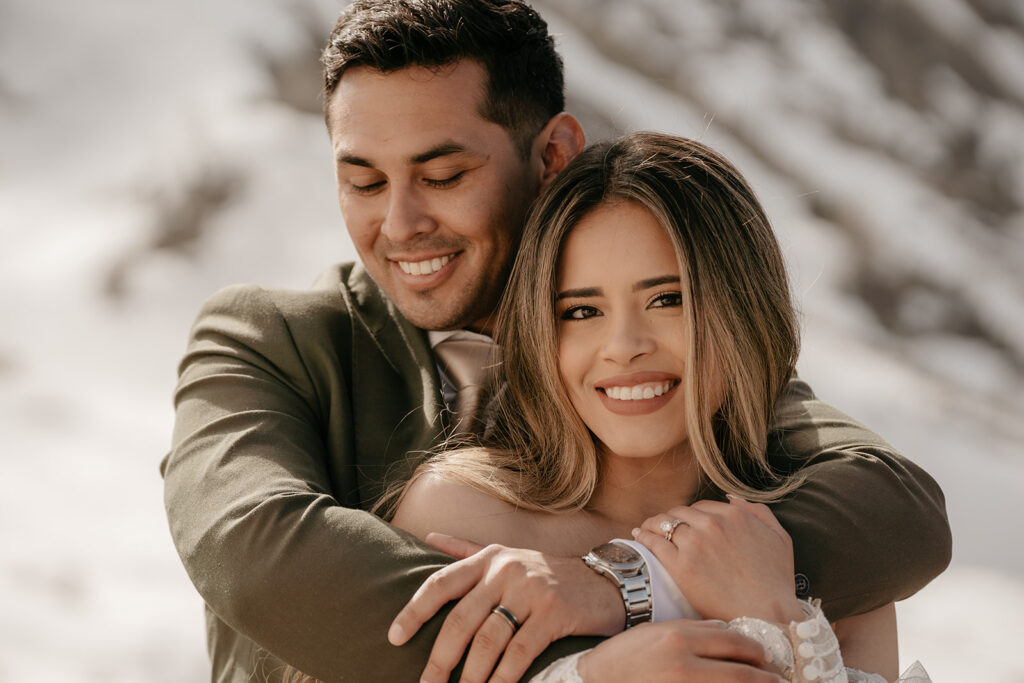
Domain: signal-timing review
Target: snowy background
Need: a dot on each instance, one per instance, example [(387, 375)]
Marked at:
[(151, 153)]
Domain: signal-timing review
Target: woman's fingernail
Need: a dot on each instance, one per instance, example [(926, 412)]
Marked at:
[(635, 532), (396, 634)]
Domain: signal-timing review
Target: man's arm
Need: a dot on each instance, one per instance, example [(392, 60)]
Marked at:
[(869, 527), (251, 504), (252, 499)]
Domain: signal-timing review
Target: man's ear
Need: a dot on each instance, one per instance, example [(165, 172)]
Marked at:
[(561, 141)]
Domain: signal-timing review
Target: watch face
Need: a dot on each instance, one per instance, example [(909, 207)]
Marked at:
[(618, 556)]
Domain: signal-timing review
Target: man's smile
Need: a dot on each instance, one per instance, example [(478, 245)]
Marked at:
[(426, 266)]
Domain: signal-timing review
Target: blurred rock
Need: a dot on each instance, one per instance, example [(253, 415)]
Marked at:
[(182, 216)]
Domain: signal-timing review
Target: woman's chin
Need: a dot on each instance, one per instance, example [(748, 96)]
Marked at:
[(641, 447)]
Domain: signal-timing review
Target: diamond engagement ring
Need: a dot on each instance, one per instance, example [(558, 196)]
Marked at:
[(670, 528)]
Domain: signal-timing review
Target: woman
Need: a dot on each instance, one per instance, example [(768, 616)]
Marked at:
[(647, 332)]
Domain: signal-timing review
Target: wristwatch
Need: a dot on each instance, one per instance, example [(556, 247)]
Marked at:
[(626, 568)]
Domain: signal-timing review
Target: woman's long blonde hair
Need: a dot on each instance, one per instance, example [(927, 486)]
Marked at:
[(736, 300)]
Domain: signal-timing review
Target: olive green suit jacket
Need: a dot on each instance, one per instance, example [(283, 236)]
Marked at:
[(296, 409)]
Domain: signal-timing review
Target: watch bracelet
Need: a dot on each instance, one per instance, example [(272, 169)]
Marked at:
[(639, 609)]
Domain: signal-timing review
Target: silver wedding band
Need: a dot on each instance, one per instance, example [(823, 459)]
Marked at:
[(505, 614), (670, 528)]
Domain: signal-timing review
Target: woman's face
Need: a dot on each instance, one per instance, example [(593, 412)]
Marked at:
[(622, 338)]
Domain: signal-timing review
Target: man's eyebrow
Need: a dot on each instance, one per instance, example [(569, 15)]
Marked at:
[(442, 150), (655, 281), (351, 159)]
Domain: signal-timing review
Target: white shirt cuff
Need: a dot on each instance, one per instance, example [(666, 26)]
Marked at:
[(667, 601)]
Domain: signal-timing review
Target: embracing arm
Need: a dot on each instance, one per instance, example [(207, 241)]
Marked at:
[(869, 527), (254, 508)]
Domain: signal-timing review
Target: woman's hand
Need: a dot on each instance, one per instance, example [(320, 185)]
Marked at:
[(672, 651), (550, 596), (729, 559)]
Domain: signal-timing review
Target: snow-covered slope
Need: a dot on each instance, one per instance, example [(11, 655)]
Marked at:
[(150, 154)]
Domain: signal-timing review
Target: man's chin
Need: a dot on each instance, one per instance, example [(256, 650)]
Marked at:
[(450, 306), (429, 315)]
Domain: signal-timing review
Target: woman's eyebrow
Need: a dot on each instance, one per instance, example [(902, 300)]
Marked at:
[(584, 292), (581, 293), (655, 281)]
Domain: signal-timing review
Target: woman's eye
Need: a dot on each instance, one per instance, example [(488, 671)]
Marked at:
[(667, 300), (580, 313), (444, 182)]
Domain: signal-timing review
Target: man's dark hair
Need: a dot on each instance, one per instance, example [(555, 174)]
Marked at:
[(507, 37)]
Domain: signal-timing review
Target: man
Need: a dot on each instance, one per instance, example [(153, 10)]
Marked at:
[(297, 410)]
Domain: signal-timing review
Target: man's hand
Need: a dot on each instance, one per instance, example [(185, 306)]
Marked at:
[(675, 651), (729, 559), (552, 597)]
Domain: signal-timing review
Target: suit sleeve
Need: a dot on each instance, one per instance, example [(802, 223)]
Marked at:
[(869, 526), (252, 513)]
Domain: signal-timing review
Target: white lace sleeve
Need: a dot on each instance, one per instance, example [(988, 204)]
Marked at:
[(561, 671), (915, 673), (808, 651), (814, 659)]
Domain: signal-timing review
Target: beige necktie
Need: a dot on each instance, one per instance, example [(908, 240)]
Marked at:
[(470, 364)]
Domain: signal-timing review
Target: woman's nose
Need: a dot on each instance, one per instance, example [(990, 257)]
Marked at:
[(628, 337)]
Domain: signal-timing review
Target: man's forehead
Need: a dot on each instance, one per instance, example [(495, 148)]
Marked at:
[(366, 98), (410, 115)]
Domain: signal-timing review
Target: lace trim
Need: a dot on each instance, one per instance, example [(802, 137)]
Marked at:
[(915, 673), (808, 651)]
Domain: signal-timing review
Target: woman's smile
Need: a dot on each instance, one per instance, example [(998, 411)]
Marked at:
[(638, 393)]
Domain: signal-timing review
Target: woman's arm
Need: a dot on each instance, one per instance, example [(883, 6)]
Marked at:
[(869, 643), (681, 650)]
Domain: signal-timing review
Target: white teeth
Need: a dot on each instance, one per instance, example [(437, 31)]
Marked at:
[(638, 392), (427, 267)]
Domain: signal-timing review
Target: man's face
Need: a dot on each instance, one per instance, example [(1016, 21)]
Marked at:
[(433, 195)]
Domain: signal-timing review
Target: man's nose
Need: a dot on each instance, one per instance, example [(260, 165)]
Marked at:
[(407, 215), (627, 338)]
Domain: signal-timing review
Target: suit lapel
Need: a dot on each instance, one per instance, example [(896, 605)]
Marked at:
[(396, 400)]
